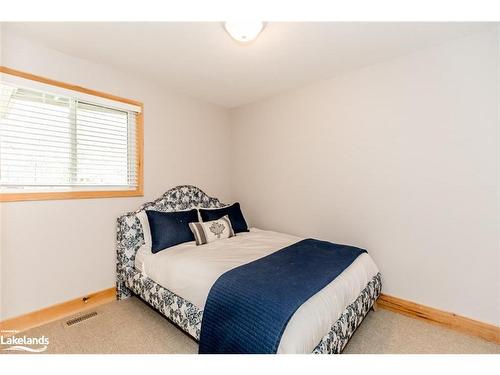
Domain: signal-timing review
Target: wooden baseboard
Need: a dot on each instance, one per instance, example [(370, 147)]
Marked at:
[(55, 312), (446, 319)]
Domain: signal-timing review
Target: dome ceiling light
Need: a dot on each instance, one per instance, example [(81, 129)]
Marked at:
[(244, 31)]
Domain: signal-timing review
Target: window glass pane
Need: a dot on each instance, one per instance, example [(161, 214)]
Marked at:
[(101, 145), (35, 138), (53, 142)]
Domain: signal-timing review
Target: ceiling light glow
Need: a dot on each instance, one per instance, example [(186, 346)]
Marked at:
[(244, 31)]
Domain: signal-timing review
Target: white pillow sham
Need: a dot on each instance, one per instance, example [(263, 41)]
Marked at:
[(143, 218)]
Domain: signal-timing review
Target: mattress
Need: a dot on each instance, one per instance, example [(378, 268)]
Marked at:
[(190, 271)]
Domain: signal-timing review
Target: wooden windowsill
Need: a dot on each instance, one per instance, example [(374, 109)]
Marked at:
[(37, 196)]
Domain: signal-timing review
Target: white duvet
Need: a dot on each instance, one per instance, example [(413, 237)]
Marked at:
[(190, 271)]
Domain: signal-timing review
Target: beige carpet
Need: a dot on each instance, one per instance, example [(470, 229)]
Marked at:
[(130, 326)]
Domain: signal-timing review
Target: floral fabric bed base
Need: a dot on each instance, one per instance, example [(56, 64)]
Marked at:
[(182, 312), (188, 317), (342, 330)]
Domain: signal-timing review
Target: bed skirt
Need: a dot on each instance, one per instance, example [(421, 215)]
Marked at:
[(188, 317)]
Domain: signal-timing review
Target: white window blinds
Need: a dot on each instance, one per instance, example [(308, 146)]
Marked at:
[(52, 142)]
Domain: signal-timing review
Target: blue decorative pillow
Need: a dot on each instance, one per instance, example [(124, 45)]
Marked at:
[(233, 211), (170, 228)]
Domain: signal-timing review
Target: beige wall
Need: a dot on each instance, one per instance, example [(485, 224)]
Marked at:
[(400, 158), (53, 251)]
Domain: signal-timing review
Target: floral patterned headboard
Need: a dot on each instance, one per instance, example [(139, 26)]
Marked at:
[(129, 230)]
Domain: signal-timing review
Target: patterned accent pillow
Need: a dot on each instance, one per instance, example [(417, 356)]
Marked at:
[(209, 231)]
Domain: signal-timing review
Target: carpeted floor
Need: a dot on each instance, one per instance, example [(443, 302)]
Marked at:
[(130, 326)]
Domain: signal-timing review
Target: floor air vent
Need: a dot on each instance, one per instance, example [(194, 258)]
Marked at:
[(81, 318)]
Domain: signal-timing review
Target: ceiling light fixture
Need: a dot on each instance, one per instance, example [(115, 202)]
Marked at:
[(244, 31)]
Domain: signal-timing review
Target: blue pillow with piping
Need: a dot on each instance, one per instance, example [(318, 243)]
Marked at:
[(233, 211), (170, 228)]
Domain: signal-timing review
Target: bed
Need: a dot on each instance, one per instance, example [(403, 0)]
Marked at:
[(177, 282)]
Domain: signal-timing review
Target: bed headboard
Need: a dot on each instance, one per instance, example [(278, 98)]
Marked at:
[(129, 236)]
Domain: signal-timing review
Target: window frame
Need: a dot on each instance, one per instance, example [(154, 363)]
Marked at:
[(84, 194)]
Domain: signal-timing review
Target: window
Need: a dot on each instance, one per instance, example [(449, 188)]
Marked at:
[(59, 141)]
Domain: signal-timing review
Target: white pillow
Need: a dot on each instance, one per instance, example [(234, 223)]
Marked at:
[(209, 231), (143, 218), (141, 255)]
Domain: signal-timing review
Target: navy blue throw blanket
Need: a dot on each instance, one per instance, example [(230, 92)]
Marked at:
[(248, 307)]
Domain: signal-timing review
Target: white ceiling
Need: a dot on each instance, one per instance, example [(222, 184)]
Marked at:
[(200, 59)]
